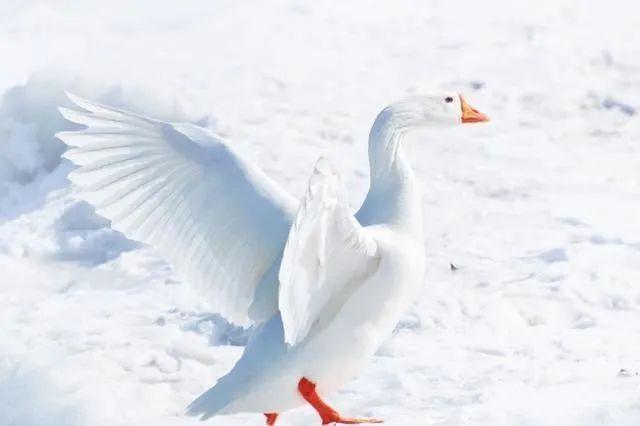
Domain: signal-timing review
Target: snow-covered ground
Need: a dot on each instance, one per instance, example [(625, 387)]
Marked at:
[(538, 325)]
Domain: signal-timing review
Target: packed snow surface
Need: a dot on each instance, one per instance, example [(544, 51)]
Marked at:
[(530, 310)]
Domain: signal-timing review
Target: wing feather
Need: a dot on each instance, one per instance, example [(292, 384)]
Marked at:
[(328, 254), (216, 218)]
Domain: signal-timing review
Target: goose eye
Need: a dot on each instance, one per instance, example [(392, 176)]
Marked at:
[(448, 99)]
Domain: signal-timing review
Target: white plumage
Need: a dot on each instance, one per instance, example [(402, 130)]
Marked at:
[(313, 271), (323, 286), (217, 219)]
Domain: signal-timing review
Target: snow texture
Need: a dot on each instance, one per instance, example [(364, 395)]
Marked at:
[(536, 325)]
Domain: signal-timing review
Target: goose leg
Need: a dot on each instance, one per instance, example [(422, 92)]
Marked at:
[(308, 391), (271, 418)]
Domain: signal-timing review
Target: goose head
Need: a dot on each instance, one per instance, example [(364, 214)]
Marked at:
[(443, 109), (434, 110)]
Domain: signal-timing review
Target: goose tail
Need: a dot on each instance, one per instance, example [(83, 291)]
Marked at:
[(211, 402)]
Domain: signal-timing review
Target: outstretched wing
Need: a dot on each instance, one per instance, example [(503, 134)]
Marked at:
[(328, 254), (216, 218)]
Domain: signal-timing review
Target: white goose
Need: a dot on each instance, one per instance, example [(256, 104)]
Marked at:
[(322, 286)]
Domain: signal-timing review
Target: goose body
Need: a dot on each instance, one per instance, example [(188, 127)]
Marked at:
[(324, 287), (267, 375)]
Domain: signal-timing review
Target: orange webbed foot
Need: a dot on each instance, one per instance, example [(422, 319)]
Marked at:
[(328, 415), (271, 418), (353, 421)]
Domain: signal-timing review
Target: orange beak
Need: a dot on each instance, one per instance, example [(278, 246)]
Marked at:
[(470, 114)]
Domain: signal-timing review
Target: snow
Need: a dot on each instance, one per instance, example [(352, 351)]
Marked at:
[(538, 211)]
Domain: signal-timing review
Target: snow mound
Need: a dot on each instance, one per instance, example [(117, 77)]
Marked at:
[(28, 121), (28, 400)]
